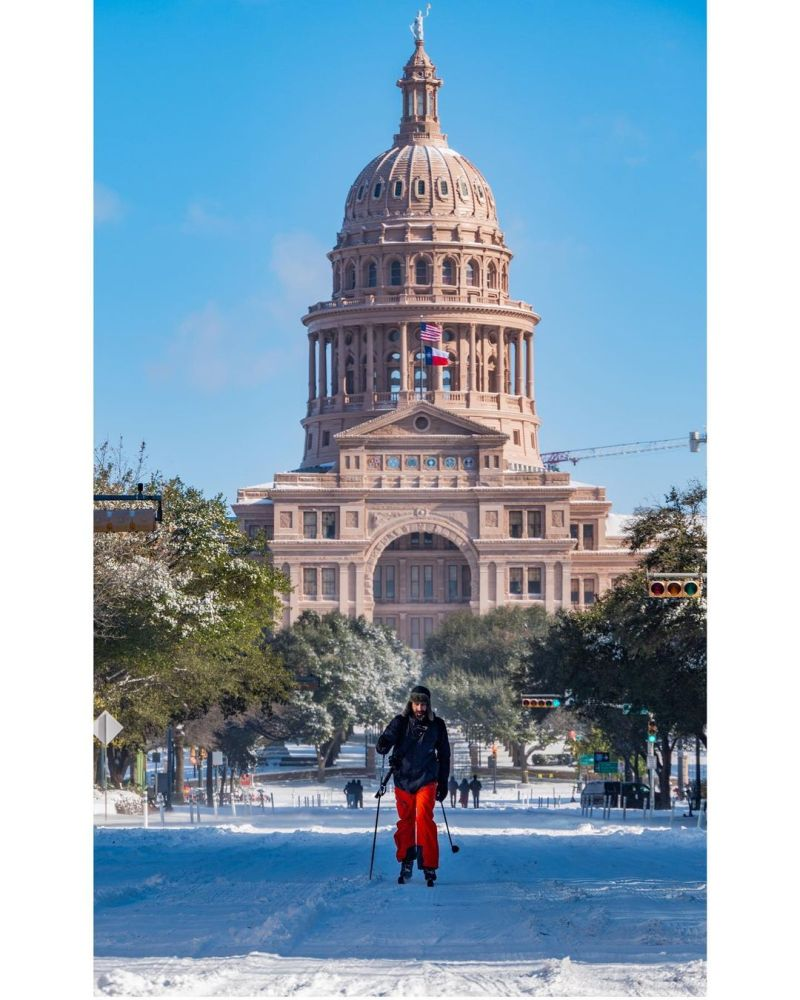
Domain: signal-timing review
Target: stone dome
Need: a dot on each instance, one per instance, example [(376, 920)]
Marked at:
[(416, 180)]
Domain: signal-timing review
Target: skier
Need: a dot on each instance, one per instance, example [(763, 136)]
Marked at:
[(463, 790), (452, 787), (421, 763), (475, 787)]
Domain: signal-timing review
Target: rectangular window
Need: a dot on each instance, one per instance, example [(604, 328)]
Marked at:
[(326, 438), (515, 581), (415, 638), (515, 523), (427, 627), (329, 524), (415, 539), (452, 583), (427, 582), (390, 623), (534, 581), (309, 524), (516, 437), (427, 540), (329, 581), (347, 461), (413, 579), (466, 583), (377, 583), (310, 582), (389, 582), (588, 591), (573, 531), (574, 590), (588, 536), (535, 524)]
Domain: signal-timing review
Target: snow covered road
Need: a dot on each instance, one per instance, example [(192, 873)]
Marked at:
[(537, 903)]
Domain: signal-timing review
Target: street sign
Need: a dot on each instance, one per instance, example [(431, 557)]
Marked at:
[(106, 728), (606, 767), (586, 760), (651, 762), (600, 757), (216, 758)]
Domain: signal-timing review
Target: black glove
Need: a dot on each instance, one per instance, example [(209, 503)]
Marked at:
[(441, 791)]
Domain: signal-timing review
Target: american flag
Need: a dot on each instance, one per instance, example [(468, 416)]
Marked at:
[(431, 332)]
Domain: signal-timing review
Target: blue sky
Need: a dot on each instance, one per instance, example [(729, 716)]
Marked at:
[(227, 133)]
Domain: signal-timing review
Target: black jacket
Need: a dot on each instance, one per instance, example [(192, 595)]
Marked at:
[(423, 747)]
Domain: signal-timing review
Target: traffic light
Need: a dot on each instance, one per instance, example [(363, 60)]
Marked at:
[(674, 584), (541, 701), (652, 730), (132, 519)]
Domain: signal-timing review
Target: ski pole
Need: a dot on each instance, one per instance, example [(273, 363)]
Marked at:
[(378, 794), (454, 847)]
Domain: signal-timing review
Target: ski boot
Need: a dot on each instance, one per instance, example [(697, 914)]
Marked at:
[(430, 876), (407, 866)]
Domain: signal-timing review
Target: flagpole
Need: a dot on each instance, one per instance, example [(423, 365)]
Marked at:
[(421, 353)]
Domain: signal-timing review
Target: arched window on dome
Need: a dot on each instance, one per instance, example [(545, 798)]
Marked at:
[(350, 375), (337, 279), (449, 374), (442, 187), (472, 273), (419, 187), (397, 189), (349, 277), (372, 275), (448, 271), (393, 371), (491, 276), (376, 191), (420, 373), (421, 272), (395, 273)]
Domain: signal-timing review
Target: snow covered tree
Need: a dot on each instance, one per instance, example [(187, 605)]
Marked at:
[(473, 662), (358, 673), (179, 613)]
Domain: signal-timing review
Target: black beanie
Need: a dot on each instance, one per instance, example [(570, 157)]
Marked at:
[(420, 690)]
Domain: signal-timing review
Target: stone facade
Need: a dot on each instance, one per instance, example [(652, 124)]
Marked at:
[(421, 490)]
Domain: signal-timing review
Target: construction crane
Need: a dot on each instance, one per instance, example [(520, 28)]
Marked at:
[(552, 459)]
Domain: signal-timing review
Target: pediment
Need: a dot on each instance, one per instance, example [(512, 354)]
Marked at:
[(405, 423)]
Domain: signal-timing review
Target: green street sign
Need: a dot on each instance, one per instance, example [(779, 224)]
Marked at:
[(586, 760), (607, 767)]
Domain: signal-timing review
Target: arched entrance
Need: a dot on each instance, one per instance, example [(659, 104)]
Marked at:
[(417, 575)]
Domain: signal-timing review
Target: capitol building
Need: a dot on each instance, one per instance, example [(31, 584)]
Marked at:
[(421, 489)]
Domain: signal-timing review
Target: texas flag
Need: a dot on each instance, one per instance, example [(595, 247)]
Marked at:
[(435, 356)]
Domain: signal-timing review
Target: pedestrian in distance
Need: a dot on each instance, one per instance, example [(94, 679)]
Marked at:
[(475, 787), (348, 791), (420, 763), (358, 791), (463, 791), (452, 787)]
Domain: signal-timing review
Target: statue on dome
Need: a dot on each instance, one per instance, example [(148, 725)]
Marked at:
[(417, 29)]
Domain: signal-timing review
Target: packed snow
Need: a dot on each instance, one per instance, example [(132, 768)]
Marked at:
[(540, 900)]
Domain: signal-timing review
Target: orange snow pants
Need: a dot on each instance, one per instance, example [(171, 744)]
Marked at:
[(415, 823)]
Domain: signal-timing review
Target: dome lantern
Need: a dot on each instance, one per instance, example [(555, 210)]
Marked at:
[(419, 121)]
